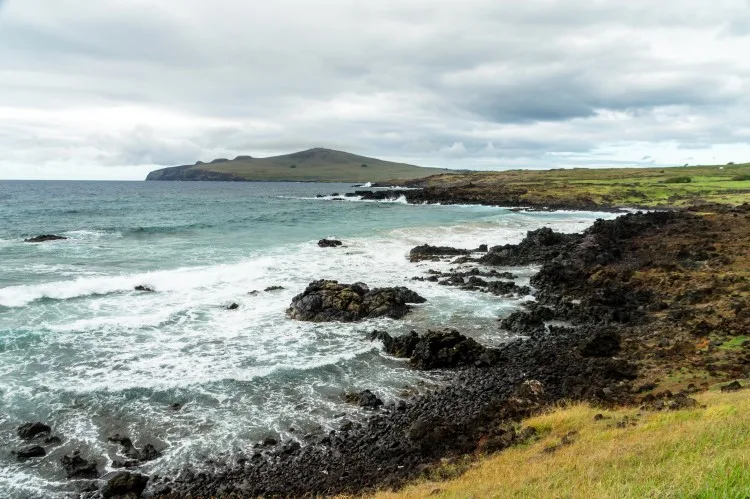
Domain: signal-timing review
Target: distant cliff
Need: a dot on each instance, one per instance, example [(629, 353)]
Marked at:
[(313, 165)]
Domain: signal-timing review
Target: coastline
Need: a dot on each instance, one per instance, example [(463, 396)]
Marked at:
[(596, 357)]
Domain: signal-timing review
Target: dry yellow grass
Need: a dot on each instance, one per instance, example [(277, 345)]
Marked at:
[(687, 453)]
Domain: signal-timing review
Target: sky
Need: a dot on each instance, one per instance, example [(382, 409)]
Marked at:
[(111, 89)]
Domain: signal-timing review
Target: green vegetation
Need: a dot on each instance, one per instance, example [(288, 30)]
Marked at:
[(634, 187), (698, 452), (314, 165), (678, 180)]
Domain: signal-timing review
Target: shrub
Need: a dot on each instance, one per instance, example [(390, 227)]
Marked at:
[(293, 166), (678, 180), (364, 166), (741, 178)]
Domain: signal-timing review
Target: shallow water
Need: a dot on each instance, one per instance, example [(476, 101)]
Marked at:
[(84, 352)]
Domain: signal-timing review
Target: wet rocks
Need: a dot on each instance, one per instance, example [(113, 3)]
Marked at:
[(427, 252), (147, 453), (538, 246), (232, 306), (437, 349), (125, 484), (329, 243), (32, 430), (271, 289), (79, 467), (45, 238), (325, 301), (365, 399), (30, 452), (144, 289)]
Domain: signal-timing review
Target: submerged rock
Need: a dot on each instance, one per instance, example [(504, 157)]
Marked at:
[(144, 289), (427, 252), (438, 349), (329, 243), (125, 484), (30, 452), (45, 238), (325, 301), (232, 306), (78, 467), (31, 430), (269, 289)]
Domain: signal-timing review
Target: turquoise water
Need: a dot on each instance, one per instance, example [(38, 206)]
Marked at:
[(82, 350)]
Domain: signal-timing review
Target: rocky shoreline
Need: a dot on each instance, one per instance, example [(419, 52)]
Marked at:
[(616, 342), (507, 197), (618, 309)]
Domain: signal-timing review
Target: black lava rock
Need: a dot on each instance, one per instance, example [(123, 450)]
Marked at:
[(45, 238), (329, 243), (125, 484), (31, 430), (325, 301), (30, 452)]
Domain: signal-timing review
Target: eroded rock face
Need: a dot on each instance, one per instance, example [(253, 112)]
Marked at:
[(326, 301), (437, 349)]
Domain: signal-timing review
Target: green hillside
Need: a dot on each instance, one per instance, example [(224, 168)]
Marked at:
[(313, 165)]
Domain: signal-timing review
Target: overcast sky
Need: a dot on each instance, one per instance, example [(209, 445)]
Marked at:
[(114, 88)]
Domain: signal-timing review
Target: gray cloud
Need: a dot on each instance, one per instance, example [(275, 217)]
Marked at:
[(477, 83)]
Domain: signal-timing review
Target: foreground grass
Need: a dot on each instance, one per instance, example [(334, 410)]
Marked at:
[(689, 453)]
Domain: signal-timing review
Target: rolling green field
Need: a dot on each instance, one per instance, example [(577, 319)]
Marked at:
[(313, 165), (638, 187)]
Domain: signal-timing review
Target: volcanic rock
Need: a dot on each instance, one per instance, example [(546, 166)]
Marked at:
[(365, 399), (78, 467), (329, 243), (437, 349), (325, 301), (427, 252), (31, 430), (125, 484), (30, 452), (45, 238)]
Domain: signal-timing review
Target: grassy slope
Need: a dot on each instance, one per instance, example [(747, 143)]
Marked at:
[(615, 186), (323, 165), (686, 453)]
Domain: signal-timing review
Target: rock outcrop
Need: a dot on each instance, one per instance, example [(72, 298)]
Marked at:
[(326, 301), (329, 243), (437, 349), (45, 238)]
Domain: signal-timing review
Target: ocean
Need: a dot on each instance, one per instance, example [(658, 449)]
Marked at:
[(82, 350)]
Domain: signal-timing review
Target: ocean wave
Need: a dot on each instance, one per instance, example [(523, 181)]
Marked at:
[(167, 280)]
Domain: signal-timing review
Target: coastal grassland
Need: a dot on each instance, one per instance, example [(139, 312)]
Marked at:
[(701, 452), (612, 187)]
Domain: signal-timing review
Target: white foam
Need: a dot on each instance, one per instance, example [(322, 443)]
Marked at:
[(99, 342)]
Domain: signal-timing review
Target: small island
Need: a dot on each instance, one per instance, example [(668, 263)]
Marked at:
[(312, 165)]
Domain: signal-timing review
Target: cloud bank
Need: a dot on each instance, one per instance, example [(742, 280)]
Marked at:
[(113, 88)]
